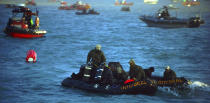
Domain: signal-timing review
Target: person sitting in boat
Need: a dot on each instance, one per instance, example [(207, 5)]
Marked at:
[(148, 72), (169, 74), (164, 13), (107, 76), (136, 72), (118, 73), (95, 58)]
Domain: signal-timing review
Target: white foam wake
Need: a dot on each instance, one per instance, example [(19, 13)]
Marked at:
[(198, 84)]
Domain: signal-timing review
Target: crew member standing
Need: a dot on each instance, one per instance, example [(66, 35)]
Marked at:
[(96, 58)]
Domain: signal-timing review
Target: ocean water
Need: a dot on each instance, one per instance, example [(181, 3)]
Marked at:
[(122, 36)]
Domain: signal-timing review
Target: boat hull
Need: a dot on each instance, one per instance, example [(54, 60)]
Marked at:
[(24, 33), (171, 23), (139, 87), (77, 13), (152, 22)]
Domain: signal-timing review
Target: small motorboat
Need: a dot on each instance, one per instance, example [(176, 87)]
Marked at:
[(77, 6), (90, 12), (23, 27), (125, 8), (65, 8), (164, 20)]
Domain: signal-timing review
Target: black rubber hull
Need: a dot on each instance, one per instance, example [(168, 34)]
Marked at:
[(178, 82), (79, 13), (174, 23), (140, 87)]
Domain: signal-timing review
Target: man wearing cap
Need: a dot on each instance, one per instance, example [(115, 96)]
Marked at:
[(136, 72), (169, 74)]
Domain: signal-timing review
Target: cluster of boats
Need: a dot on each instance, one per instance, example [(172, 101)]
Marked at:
[(85, 8), (77, 6), (23, 27), (148, 86), (27, 2)]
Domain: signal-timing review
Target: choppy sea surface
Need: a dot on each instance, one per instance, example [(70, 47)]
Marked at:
[(122, 36)]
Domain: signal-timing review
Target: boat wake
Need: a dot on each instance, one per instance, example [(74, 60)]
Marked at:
[(192, 89), (196, 84)]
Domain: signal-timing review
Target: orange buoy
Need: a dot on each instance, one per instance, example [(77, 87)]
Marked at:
[(31, 56)]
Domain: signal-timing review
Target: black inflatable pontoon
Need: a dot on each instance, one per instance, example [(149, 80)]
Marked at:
[(178, 82), (139, 87)]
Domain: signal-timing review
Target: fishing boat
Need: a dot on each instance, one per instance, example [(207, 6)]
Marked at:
[(23, 27), (164, 20)]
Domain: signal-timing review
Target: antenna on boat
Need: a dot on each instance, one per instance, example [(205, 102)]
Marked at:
[(37, 12)]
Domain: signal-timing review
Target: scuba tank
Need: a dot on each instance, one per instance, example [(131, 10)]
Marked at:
[(99, 72), (87, 73)]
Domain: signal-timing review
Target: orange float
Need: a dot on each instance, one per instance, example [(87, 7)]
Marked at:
[(31, 56)]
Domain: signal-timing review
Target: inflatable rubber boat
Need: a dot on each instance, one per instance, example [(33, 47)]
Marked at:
[(138, 87)]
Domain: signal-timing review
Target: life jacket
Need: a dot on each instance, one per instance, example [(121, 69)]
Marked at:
[(87, 73), (31, 21), (37, 21)]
